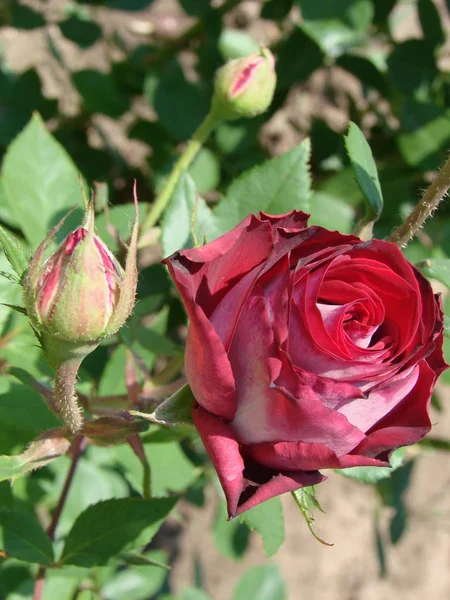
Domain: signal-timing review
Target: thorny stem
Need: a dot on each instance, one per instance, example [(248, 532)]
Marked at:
[(183, 162), (425, 208), (78, 446), (190, 34)]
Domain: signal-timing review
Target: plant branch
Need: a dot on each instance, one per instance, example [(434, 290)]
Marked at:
[(430, 201), (193, 32), (138, 448), (182, 164), (78, 446)]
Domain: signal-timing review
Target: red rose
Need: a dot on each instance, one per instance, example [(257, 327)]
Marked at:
[(307, 349)]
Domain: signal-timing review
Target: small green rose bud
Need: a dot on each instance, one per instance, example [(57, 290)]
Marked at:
[(244, 87)]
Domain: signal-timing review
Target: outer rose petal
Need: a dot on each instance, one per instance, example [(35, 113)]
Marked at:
[(408, 423), (244, 482), (208, 369), (306, 457)]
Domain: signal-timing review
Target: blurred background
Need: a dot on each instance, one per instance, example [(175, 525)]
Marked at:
[(122, 84)]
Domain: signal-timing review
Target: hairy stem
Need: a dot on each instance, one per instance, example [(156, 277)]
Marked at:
[(64, 394), (78, 446), (430, 201), (183, 162)]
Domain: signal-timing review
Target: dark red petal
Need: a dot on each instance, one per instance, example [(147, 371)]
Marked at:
[(298, 456), (244, 482), (208, 369)]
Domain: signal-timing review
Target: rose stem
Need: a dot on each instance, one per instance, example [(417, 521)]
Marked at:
[(183, 162), (78, 446), (425, 208)]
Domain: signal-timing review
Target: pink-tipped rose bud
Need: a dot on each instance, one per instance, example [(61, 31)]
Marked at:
[(244, 87), (80, 293), (79, 288)]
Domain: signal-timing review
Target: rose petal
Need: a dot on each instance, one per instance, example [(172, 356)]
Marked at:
[(306, 457), (407, 423), (383, 398), (267, 411), (244, 482)]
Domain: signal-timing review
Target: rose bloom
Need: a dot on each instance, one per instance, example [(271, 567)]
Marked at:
[(307, 349)]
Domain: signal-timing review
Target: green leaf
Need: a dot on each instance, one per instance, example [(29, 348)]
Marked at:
[(42, 451), (177, 218), (144, 560), (175, 410), (267, 519), (309, 57), (336, 26), (374, 474), (138, 582), (277, 186), (365, 171), (23, 408), (276, 10), (437, 268), (100, 93), (430, 21), (234, 43), (82, 494), (447, 326), (263, 582), (24, 17), (331, 212), (22, 537), (82, 32), (121, 218), (306, 500), (426, 133), (180, 105), (40, 180), (113, 377), (13, 252), (6, 497), (12, 467), (10, 293), (104, 529), (171, 470), (412, 66), (205, 171), (231, 537)]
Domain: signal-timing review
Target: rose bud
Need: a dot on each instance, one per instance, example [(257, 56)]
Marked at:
[(79, 288), (244, 87), (80, 293), (307, 349), (74, 299)]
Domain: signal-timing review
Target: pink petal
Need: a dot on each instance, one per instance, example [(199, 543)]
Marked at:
[(268, 412), (382, 399), (408, 423)]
